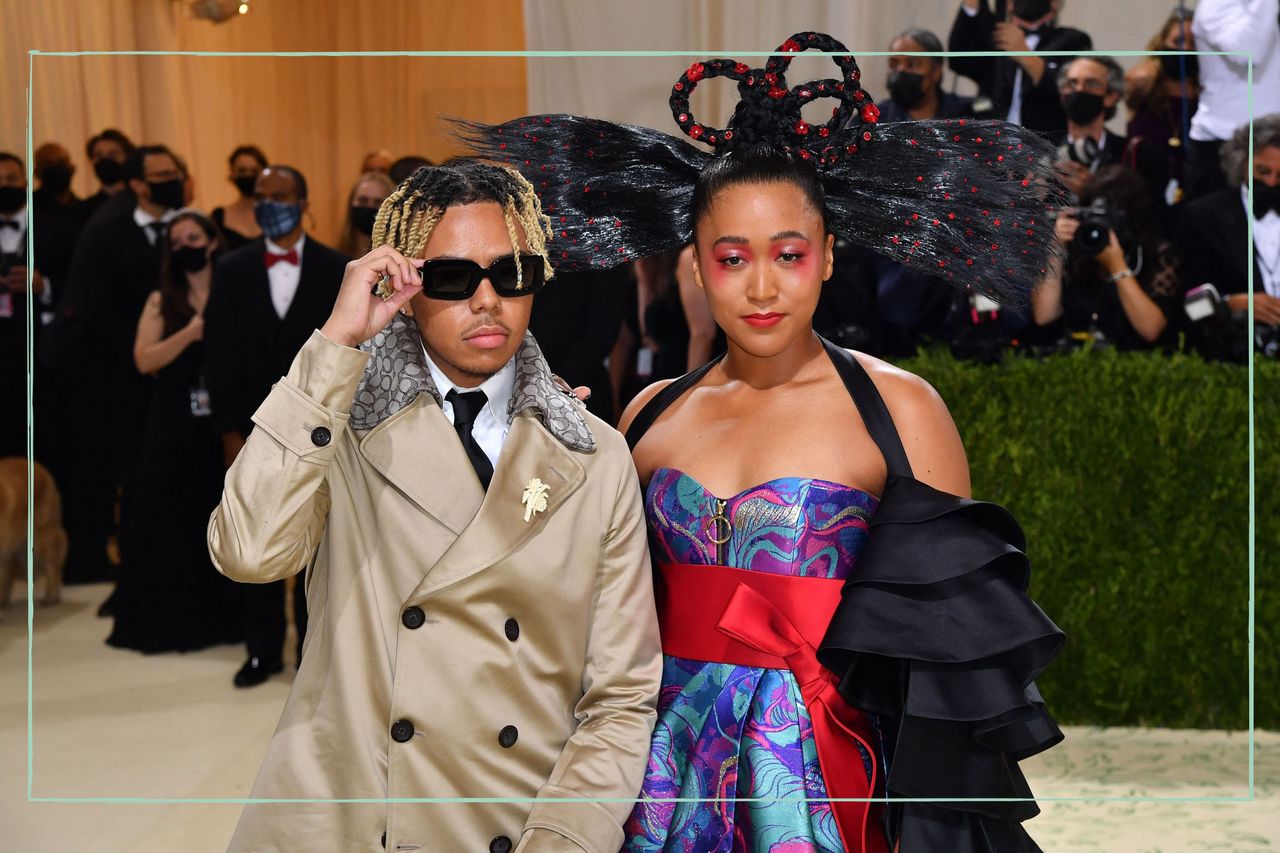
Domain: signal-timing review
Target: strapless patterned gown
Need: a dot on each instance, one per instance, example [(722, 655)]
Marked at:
[(727, 731)]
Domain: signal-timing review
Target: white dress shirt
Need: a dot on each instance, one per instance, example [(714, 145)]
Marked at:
[(283, 277), (492, 425), (1247, 26), (11, 239), (1266, 245), (145, 219)]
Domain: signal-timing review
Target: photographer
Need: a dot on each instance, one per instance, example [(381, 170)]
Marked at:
[(1091, 88), (1215, 229), (1118, 282)]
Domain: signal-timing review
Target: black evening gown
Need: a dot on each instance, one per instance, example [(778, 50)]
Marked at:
[(170, 597)]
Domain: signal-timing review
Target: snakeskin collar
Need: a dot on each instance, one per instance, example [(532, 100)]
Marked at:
[(397, 373)]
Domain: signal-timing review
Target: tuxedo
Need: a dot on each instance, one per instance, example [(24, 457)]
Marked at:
[(1213, 232), (248, 347), (996, 76), (90, 343)]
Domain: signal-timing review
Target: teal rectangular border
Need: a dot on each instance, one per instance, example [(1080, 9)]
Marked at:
[(543, 54)]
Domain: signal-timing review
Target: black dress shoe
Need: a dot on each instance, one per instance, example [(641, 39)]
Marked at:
[(256, 670)]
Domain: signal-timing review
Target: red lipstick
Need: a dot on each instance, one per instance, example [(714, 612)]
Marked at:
[(764, 321)]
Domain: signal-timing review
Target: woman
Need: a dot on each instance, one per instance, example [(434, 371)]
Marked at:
[(362, 208), (236, 220), (1162, 93), (170, 597), (1125, 290), (792, 628)]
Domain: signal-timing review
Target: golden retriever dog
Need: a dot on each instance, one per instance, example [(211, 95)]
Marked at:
[(50, 544)]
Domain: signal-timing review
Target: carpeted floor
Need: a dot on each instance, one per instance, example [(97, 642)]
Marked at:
[(111, 723)]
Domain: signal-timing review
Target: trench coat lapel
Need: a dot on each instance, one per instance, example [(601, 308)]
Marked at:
[(499, 527), (418, 452)]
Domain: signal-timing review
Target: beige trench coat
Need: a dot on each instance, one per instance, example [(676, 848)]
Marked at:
[(534, 670)]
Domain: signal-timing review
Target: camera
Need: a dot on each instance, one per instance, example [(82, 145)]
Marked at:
[(1084, 151), (1097, 221), (1219, 334)]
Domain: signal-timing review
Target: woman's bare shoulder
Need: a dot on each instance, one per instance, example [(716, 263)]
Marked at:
[(641, 400)]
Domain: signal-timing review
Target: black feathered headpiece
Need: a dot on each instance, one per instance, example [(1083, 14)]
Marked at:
[(968, 201)]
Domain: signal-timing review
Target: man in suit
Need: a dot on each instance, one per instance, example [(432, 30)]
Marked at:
[(915, 82), (480, 587), (116, 264), (1092, 88), (1214, 230), (13, 304), (108, 152), (267, 298), (1024, 89)]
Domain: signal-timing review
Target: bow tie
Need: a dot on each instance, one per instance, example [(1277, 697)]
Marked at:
[(9, 223), (289, 257)]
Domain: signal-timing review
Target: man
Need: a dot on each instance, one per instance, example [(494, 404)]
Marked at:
[(1023, 88), (480, 582), (1091, 87), (1234, 87), (1214, 233), (116, 264), (267, 297), (915, 82), (54, 171), (13, 304), (108, 152)]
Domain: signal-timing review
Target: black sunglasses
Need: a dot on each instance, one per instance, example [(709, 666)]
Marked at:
[(459, 278)]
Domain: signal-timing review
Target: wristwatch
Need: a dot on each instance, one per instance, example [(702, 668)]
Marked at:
[(1123, 274)]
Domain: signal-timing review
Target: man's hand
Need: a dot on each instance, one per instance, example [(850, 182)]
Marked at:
[(1009, 37), (1266, 308), (359, 314), (1066, 226), (1073, 175)]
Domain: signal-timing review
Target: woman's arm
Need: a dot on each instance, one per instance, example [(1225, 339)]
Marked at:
[(697, 313), (1142, 311), (928, 433), (151, 351)]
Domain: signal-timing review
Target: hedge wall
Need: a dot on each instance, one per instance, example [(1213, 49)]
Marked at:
[(1129, 474)]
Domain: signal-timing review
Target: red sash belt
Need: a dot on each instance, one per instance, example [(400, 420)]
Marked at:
[(725, 615)]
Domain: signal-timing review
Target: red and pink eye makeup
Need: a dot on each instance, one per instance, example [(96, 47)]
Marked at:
[(789, 249)]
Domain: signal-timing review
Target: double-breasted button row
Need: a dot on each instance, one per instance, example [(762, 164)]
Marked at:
[(401, 731), (508, 736), (512, 630), (501, 844), (413, 617), (320, 436)]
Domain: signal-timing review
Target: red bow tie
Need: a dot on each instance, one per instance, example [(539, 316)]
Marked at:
[(289, 257)]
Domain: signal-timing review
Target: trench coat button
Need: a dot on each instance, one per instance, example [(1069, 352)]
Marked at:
[(320, 436), (507, 737), (501, 844), (512, 630), (413, 617), (401, 731)]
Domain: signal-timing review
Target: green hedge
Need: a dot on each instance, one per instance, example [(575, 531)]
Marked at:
[(1129, 474)]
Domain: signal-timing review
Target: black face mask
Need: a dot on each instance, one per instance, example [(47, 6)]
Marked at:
[(245, 184), (1083, 107), (1173, 66), (906, 89), (190, 258), (1265, 199), (362, 219), (109, 171), (12, 199), (57, 177), (1031, 10), (168, 194)]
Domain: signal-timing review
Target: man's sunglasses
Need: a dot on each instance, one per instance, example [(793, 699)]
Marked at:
[(459, 278)]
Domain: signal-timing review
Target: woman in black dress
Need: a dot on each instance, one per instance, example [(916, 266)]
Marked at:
[(170, 597), (236, 221)]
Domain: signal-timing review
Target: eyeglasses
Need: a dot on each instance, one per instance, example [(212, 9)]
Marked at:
[(1096, 87), (459, 278)]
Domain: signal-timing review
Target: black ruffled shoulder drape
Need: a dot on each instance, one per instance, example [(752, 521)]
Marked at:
[(936, 635)]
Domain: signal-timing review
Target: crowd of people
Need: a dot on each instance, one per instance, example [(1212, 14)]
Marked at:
[(160, 328)]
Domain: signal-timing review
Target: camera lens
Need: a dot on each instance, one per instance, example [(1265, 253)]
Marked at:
[(1092, 237)]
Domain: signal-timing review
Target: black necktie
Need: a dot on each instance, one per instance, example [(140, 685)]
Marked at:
[(155, 230), (466, 408)]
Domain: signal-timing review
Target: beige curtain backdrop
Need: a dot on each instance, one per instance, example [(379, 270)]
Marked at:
[(320, 114), (636, 90)]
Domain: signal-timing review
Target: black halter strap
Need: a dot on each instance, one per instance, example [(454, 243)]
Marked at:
[(875, 415)]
